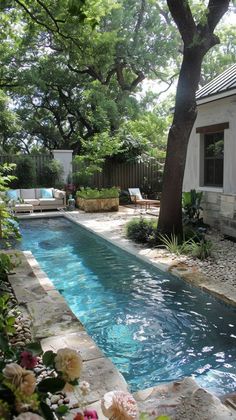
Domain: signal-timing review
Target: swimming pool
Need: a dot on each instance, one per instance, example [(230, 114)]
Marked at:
[(153, 326)]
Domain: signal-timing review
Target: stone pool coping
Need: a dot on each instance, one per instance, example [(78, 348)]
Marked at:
[(54, 324)]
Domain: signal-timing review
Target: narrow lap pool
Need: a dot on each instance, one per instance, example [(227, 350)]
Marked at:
[(153, 326)]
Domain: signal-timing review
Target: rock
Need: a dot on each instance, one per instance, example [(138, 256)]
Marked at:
[(55, 399)]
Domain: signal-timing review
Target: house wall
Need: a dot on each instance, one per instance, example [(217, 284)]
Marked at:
[(219, 203)]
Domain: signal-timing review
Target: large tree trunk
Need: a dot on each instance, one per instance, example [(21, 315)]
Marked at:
[(198, 39), (170, 220)]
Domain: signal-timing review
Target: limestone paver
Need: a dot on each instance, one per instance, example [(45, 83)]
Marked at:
[(183, 400), (79, 341), (103, 377), (51, 315)]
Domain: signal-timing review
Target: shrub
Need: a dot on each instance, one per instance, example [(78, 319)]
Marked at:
[(89, 193), (25, 172), (201, 249), (142, 230), (124, 197), (198, 249), (51, 174), (81, 179)]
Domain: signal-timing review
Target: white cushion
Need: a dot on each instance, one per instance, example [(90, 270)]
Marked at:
[(135, 193), (27, 193), (49, 202), (59, 194), (37, 192), (32, 201)]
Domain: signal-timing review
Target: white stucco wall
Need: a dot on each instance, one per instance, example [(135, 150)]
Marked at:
[(220, 111), (65, 157)]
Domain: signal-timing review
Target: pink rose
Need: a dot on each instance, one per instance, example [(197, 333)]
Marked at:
[(90, 415), (27, 360), (119, 405)]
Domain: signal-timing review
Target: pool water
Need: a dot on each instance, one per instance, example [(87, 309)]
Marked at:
[(153, 326)]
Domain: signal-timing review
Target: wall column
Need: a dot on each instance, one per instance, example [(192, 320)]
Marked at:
[(65, 157)]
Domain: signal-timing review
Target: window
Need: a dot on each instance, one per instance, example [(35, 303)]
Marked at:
[(213, 159)]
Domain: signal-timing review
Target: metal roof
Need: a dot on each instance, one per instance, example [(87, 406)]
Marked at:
[(225, 82)]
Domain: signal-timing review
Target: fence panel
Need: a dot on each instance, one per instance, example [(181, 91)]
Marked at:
[(147, 176)]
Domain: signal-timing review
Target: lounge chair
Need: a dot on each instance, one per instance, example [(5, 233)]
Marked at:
[(137, 199)]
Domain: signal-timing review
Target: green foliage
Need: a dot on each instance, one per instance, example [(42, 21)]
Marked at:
[(96, 150), (6, 264), (171, 243), (142, 230), (25, 172), (8, 228), (195, 247), (6, 321), (81, 179), (51, 174), (201, 249), (191, 202), (91, 193)]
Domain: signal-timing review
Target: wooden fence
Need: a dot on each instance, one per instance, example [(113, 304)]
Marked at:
[(147, 176), (39, 161)]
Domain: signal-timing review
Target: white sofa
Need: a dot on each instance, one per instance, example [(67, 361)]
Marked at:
[(39, 198)]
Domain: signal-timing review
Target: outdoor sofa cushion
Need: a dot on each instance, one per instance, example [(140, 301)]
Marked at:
[(13, 194), (32, 201), (26, 193), (49, 201), (46, 193)]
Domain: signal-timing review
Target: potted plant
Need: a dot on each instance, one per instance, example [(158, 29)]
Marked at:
[(94, 200)]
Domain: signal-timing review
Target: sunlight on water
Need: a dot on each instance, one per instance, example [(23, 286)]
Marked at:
[(154, 327)]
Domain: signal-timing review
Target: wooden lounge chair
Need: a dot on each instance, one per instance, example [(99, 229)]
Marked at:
[(137, 199)]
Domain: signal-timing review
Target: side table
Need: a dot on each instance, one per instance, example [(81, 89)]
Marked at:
[(23, 207)]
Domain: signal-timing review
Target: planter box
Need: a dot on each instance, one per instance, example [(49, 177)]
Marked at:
[(95, 205)]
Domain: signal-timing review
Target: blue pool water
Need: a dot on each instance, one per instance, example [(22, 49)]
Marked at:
[(153, 326)]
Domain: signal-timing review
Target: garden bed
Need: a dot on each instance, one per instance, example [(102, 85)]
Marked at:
[(96, 205)]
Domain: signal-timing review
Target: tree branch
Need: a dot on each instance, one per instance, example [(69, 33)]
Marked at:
[(139, 22), (182, 15), (217, 9)]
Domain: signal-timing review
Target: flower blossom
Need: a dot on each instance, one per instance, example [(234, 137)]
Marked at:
[(84, 387), (86, 415), (20, 378), (119, 405), (90, 415), (28, 361), (69, 363)]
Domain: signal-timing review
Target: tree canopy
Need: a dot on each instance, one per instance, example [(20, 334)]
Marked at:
[(73, 71)]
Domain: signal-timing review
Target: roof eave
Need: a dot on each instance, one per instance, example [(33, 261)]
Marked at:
[(212, 98)]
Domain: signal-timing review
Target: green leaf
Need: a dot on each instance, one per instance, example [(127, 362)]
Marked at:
[(47, 413), (11, 320), (48, 358), (144, 416), (10, 329), (63, 409), (51, 385), (3, 342), (35, 348)]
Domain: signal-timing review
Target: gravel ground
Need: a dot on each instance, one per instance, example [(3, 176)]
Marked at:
[(222, 263)]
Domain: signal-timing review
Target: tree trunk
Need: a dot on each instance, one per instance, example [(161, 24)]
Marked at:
[(170, 220)]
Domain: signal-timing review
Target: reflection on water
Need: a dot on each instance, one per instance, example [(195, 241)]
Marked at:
[(152, 325)]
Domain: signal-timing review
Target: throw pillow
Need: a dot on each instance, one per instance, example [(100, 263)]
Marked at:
[(13, 194), (46, 193)]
